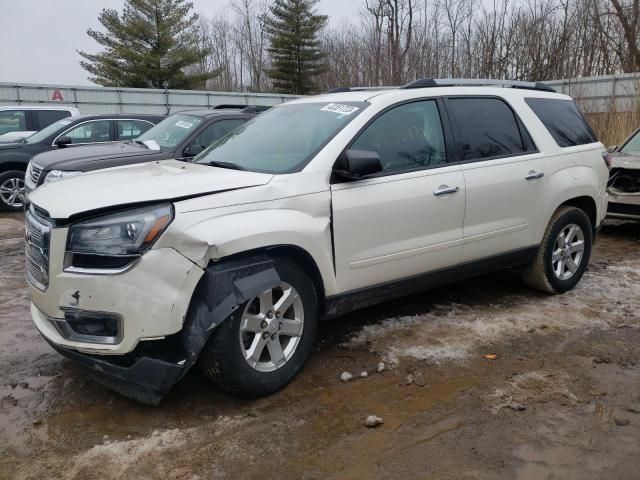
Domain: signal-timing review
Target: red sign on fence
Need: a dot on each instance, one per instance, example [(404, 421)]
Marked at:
[(57, 96)]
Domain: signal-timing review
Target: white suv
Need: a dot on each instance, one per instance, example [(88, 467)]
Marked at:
[(317, 207)]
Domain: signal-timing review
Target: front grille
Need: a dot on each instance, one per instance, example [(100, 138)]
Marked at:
[(36, 171), (37, 235), (624, 209), (624, 180)]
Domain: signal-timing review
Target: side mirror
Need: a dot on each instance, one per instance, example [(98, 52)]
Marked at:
[(63, 142), (612, 148), (357, 164), (192, 150)]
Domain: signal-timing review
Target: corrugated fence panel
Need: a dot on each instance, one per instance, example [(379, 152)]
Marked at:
[(594, 94), (128, 100), (603, 93)]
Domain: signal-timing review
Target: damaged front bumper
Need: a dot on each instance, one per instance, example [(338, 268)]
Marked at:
[(135, 375), (623, 206), (623, 190), (150, 370)]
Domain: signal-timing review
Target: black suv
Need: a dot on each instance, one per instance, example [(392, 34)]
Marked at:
[(68, 132), (180, 136)]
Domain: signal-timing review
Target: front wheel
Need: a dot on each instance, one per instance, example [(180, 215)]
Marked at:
[(260, 348), (12, 194), (563, 254)]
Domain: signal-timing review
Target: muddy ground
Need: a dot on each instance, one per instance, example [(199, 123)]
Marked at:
[(560, 399)]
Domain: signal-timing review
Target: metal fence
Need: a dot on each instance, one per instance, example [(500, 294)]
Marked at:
[(603, 93), (594, 95), (92, 100)]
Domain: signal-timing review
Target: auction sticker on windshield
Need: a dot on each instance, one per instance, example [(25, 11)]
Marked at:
[(183, 124), (339, 108)]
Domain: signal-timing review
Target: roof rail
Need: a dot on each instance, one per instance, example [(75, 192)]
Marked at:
[(226, 106), (242, 108), (255, 108), (358, 89), (477, 82)]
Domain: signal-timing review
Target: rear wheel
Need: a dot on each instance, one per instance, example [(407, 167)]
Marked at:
[(12, 194), (260, 348), (564, 253)]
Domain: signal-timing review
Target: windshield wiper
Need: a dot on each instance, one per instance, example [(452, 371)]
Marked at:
[(232, 166)]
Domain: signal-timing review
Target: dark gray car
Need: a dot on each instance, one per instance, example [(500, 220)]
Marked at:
[(59, 136), (180, 136)]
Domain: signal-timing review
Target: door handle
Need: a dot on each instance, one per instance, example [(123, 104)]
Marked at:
[(533, 175), (445, 190)]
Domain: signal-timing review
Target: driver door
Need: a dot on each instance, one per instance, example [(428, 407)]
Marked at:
[(408, 219)]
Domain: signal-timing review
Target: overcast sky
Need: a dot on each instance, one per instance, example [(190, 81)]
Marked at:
[(39, 38)]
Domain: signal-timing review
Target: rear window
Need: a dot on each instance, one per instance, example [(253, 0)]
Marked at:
[(47, 117), (565, 123), (488, 128)]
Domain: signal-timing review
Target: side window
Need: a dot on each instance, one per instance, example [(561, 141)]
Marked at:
[(564, 121), (406, 137), (44, 118), (90, 132), (216, 131), (487, 127), (128, 129), (12, 121)]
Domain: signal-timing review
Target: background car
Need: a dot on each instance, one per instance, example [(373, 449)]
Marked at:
[(68, 132), (624, 179), (182, 135), (18, 122)]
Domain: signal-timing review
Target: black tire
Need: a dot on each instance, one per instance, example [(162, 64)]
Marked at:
[(8, 176), (222, 360), (539, 274)]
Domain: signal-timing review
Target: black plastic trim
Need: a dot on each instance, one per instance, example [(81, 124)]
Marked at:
[(346, 302)]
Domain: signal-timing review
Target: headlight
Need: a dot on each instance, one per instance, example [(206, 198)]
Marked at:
[(114, 241), (54, 175)]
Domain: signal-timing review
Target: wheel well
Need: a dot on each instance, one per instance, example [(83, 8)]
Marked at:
[(588, 206), (306, 261), (302, 258), (5, 167)]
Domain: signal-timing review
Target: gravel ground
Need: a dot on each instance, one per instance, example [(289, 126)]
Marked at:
[(484, 379)]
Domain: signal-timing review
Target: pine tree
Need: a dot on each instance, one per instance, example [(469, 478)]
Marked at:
[(150, 44), (296, 56)]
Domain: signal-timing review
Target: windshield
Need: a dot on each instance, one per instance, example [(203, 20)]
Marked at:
[(632, 147), (283, 139), (47, 131), (171, 131)]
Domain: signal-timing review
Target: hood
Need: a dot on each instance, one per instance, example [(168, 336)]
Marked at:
[(11, 146), (78, 158), (624, 160), (14, 136), (146, 182)]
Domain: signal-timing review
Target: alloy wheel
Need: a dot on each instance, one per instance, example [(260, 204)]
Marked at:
[(271, 327), (12, 192), (568, 252)]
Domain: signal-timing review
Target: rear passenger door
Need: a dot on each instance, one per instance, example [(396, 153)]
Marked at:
[(503, 173), (406, 220)]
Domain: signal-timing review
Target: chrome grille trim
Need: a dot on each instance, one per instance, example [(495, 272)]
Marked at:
[(36, 171), (37, 234)]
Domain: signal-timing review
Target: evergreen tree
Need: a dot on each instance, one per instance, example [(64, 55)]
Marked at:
[(296, 56), (149, 45)]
